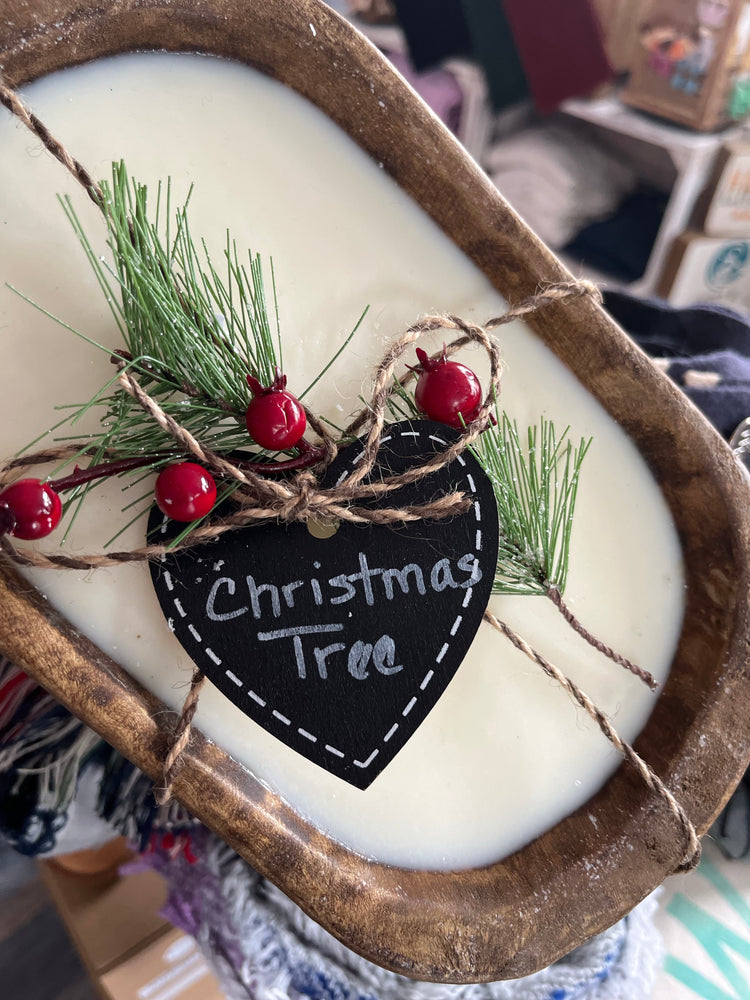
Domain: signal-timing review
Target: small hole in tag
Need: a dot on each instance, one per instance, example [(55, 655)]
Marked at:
[(322, 529)]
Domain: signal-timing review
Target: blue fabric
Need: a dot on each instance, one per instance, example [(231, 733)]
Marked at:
[(705, 338), (666, 331), (314, 984), (621, 245), (29, 827)]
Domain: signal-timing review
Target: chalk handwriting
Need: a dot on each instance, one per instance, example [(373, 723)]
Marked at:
[(382, 653), (266, 600)]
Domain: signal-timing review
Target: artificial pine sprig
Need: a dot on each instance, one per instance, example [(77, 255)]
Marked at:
[(189, 331), (194, 339), (191, 337), (535, 482)]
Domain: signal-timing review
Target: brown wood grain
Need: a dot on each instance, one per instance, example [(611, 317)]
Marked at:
[(516, 916)]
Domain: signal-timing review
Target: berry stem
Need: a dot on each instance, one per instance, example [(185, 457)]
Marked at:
[(81, 476), (426, 363), (309, 456)]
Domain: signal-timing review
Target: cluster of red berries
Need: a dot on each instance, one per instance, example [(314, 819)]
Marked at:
[(447, 392), (275, 419)]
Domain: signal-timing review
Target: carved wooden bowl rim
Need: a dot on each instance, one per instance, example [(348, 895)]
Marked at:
[(514, 917)]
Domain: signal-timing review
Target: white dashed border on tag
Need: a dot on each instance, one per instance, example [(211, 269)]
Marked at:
[(282, 719)]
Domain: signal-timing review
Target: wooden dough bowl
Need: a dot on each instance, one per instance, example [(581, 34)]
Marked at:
[(514, 917)]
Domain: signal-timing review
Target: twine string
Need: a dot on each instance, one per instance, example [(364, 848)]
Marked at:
[(471, 333), (383, 388), (301, 496), (328, 442), (553, 593), (180, 738), (10, 99), (260, 498), (693, 848)]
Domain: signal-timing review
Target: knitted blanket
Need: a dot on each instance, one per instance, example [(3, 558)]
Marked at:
[(261, 945)]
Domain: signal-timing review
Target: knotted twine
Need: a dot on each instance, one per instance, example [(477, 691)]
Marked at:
[(259, 498)]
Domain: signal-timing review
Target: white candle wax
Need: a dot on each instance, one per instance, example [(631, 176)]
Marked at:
[(504, 754)]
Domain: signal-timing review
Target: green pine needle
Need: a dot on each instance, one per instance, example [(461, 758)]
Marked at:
[(193, 334), (535, 483), (192, 331), (186, 325)]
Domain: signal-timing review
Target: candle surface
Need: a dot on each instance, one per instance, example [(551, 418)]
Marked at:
[(504, 754)]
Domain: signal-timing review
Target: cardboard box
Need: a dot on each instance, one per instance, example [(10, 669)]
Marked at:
[(170, 968), (130, 952), (620, 20), (724, 208), (692, 62), (704, 268)]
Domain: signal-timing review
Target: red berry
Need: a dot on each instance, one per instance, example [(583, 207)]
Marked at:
[(189, 854), (447, 391), (36, 508), (275, 418), (185, 491)]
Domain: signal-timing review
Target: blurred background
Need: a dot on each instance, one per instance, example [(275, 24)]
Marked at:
[(615, 128)]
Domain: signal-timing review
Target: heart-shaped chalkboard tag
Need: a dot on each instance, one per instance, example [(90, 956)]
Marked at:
[(341, 646)]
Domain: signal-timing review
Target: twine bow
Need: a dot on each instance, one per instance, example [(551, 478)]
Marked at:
[(259, 498)]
